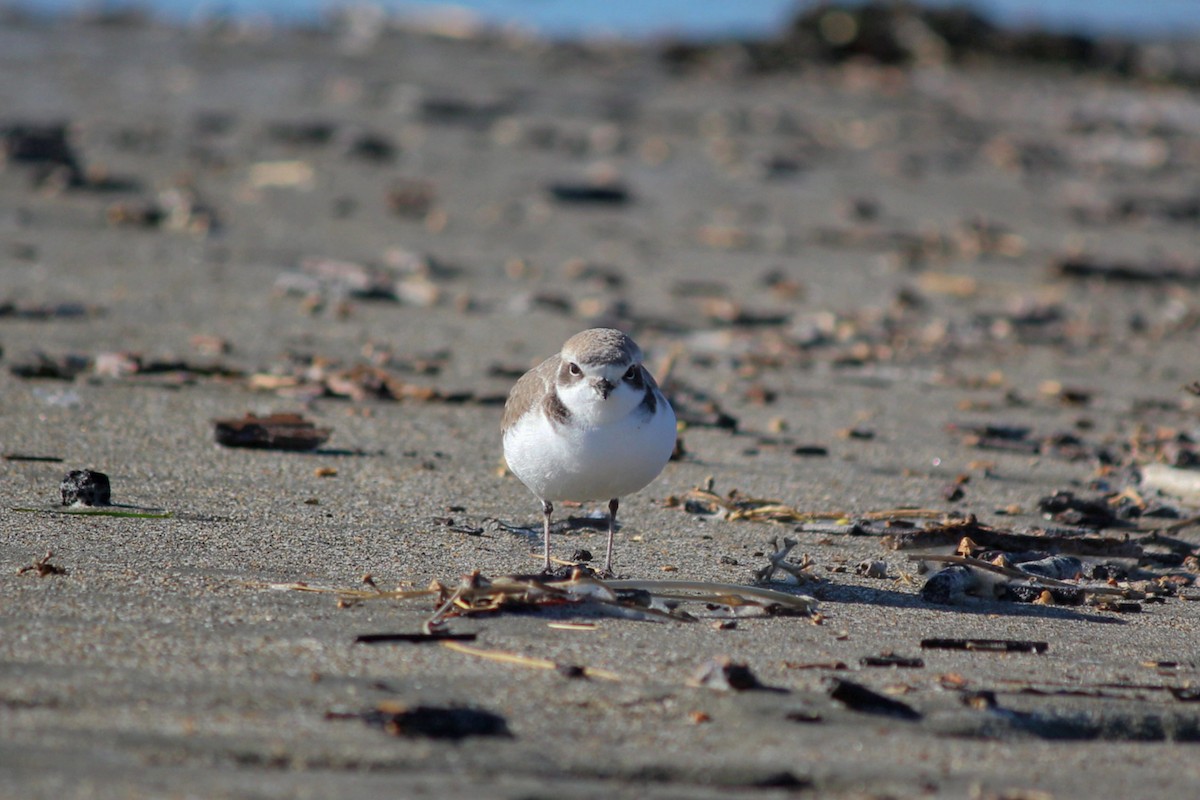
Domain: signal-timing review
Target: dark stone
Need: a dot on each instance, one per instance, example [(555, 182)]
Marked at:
[(86, 487), (437, 723)]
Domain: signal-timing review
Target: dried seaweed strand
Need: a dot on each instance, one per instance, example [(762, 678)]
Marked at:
[(758, 509), (349, 594), (525, 661), (716, 592), (97, 512)]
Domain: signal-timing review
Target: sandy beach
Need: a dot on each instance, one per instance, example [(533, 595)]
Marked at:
[(896, 300)]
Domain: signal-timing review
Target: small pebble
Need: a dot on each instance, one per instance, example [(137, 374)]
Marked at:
[(86, 488)]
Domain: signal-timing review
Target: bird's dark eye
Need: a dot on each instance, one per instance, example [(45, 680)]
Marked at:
[(631, 374), (574, 369)]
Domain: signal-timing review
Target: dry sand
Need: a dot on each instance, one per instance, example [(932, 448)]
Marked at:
[(820, 251)]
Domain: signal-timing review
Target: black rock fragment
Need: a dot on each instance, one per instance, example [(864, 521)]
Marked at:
[(86, 487), (434, 722), (1109, 571), (1068, 509), (986, 645), (892, 660), (302, 133), (62, 368), (857, 697), (46, 147), (726, 675), (274, 432), (374, 147), (590, 193), (1123, 272), (1023, 593)]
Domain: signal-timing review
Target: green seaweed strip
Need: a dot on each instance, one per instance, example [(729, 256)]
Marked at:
[(98, 512)]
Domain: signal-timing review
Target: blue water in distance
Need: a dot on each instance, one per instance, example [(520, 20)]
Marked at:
[(692, 18)]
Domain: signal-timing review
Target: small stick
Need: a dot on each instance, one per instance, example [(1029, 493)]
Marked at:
[(778, 560), (525, 661), (716, 590)]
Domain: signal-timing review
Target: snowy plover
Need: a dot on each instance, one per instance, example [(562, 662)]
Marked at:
[(588, 424)]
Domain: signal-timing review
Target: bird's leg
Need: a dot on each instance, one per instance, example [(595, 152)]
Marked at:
[(547, 510), (612, 527)]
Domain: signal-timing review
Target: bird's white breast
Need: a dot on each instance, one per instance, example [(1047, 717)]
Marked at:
[(592, 456)]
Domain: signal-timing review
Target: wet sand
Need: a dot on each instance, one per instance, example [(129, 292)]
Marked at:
[(862, 266)]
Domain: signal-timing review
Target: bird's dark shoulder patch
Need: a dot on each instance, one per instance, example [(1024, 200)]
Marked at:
[(554, 408), (649, 403)]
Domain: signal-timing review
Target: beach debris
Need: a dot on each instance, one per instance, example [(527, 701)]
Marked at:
[(290, 174), (890, 659), (88, 493), (857, 697), (1041, 596), (778, 562), (209, 344), (118, 364), (85, 487), (43, 568), (411, 198), (339, 277), (476, 113), (610, 193), (300, 133), (986, 645), (655, 600), (736, 506), (1175, 481), (1020, 439), (178, 208), (725, 675), (283, 431), (307, 376), (408, 278), (871, 568), (123, 364), (372, 147), (452, 525), (46, 148), (31, 457), (1064, 507), (1117, 606), (1168, 208), (63, 368), (1126, 272), (984, 536), (967, 575), (566, 670), (432, 722), (413, 638), (721, 600), (48, 311), (695, 408)]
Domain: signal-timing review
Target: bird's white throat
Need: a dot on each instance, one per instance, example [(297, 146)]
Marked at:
[(590, 408)]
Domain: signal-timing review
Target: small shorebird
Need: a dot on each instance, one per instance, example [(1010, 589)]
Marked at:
[(588, 424)]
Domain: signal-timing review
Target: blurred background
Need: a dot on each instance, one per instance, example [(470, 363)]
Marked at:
[(678, 18)]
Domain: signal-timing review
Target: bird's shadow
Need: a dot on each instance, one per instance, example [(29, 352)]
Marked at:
[(597, 522), (841, 593)]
